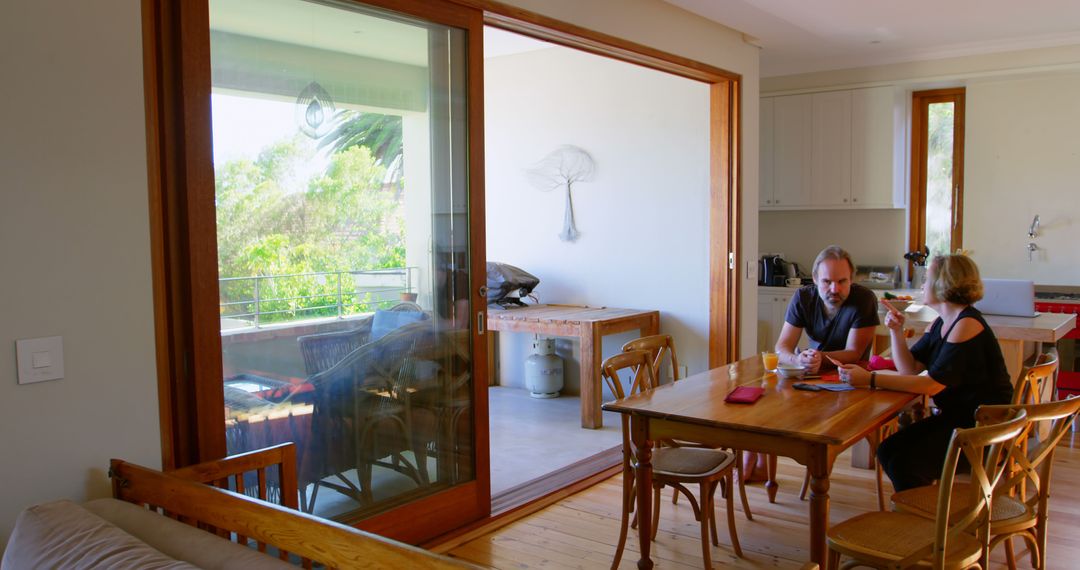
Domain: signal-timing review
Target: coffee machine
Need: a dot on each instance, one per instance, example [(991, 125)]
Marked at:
[(774, 271)]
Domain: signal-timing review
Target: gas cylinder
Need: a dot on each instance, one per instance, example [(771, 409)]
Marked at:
[(544, 370)]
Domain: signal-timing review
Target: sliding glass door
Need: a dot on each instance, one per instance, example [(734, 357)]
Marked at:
[(344, 203)]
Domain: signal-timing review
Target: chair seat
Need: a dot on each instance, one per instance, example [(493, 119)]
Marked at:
[(891, 537), (694, 462), (1004, 510)]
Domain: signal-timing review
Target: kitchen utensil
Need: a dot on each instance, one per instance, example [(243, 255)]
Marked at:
[(791, 371)]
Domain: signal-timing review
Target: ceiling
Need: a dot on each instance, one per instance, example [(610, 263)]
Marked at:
[(800, 36)]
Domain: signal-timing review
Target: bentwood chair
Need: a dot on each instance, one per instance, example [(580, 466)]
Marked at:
[(672, 466), (957, 537), (1020, 500), (661, 347)]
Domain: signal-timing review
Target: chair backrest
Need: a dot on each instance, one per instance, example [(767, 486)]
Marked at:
[(639, 362), (658, 346), (1029, 465), (323, 350), (643, 378), (1029, 388), (984, 448)]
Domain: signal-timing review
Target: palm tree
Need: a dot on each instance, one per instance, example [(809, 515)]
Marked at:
[(381, 134)]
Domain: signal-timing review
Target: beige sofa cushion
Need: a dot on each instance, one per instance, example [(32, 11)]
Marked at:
[(61, 534), (181, 541)]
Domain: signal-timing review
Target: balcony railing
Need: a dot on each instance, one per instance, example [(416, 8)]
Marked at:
[(266, 299)]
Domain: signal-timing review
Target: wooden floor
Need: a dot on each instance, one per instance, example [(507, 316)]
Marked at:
[(581, 531)]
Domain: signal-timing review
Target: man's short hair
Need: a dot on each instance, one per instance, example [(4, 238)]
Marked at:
[(832, 252)]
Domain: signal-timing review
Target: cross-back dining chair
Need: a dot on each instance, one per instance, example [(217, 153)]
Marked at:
[(661, 347), (672, 466), (958, 535), (1020, 500)]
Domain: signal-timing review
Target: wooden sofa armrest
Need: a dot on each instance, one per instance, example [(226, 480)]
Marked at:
[(231, 470), (317, 540)]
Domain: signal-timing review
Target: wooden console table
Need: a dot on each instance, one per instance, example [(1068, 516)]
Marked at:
[(590, 325)]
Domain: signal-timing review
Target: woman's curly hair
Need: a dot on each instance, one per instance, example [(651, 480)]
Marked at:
[(956, 279)]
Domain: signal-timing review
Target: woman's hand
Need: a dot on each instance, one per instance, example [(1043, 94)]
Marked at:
[(854, 375), (894, 320)]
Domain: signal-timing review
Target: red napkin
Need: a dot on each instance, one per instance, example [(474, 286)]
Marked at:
[(881, 363), (745, 395)]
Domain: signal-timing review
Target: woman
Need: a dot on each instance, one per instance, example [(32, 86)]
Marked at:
[(963, 366)]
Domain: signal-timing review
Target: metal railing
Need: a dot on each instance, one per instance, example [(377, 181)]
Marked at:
[(265, 299)]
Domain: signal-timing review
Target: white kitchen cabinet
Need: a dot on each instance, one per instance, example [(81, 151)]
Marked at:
[(772, 306), (830, 153), (765, 156), (876, 168), (832, 150), (791, 140)]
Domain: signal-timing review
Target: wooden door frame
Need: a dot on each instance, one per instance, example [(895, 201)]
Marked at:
[(920, 102), (183, 224), (176, 44)]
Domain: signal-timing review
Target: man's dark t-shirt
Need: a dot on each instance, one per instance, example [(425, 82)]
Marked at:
[(807, 311)]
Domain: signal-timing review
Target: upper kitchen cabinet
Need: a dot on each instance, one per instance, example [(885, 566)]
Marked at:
[(831, 150), (877, 149), (791, 144), (830, 153)]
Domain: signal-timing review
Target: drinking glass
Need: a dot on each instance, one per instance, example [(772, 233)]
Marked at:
[(770, 360)]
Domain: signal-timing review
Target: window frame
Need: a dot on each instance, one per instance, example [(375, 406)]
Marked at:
[(920, 106)]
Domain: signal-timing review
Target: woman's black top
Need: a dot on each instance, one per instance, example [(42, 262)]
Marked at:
[(972, 371)]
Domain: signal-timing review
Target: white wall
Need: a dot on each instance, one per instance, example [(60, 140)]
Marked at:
[(74, 247), (872, 237), (1020, 151), (644, 220), (1022, 159), (665, 27)]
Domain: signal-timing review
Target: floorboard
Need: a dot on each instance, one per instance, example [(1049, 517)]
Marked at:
[(582, 530)]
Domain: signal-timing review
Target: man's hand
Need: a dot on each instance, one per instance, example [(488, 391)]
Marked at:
[(811, 359)]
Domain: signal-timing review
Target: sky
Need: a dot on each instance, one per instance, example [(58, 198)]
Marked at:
[(243, 126)]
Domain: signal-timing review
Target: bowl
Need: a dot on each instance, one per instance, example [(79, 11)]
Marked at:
[(791, 371)]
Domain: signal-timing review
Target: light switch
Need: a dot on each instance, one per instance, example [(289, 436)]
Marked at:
[(40, 359)]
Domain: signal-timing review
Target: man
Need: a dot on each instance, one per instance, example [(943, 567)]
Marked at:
[(838, 316)]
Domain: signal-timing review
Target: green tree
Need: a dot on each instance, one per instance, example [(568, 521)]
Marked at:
[(271, 224)]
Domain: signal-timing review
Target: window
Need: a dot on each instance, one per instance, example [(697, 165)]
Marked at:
[(937, 170)]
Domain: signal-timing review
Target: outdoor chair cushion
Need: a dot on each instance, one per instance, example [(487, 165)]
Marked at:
[(386, 321)]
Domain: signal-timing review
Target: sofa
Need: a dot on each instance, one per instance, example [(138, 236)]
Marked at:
[(108, 533)]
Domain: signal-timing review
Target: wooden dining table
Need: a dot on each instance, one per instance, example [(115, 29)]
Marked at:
[(810, 427)]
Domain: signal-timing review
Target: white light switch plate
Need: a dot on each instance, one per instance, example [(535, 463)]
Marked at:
[(40, 359)]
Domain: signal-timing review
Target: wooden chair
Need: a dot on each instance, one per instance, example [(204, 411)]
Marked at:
[(953, 539), (672, 466), (659, 347), (1020, 500), (1029, 388)]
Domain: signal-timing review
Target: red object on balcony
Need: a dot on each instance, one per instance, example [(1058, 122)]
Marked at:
[(1068, 382)]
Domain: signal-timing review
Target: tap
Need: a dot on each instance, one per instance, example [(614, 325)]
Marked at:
[(1033, 230)]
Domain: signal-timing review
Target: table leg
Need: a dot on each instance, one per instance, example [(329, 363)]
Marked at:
[(642, 447), (771, 486), (819, 503), (589, 369)]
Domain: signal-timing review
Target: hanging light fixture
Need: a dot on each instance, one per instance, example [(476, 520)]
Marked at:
[(314, 110)]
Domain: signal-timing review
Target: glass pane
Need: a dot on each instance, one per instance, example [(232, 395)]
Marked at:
[(939, 178), (339, 156)]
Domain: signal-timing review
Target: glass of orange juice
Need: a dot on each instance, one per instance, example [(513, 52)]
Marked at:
[(770, 360)]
